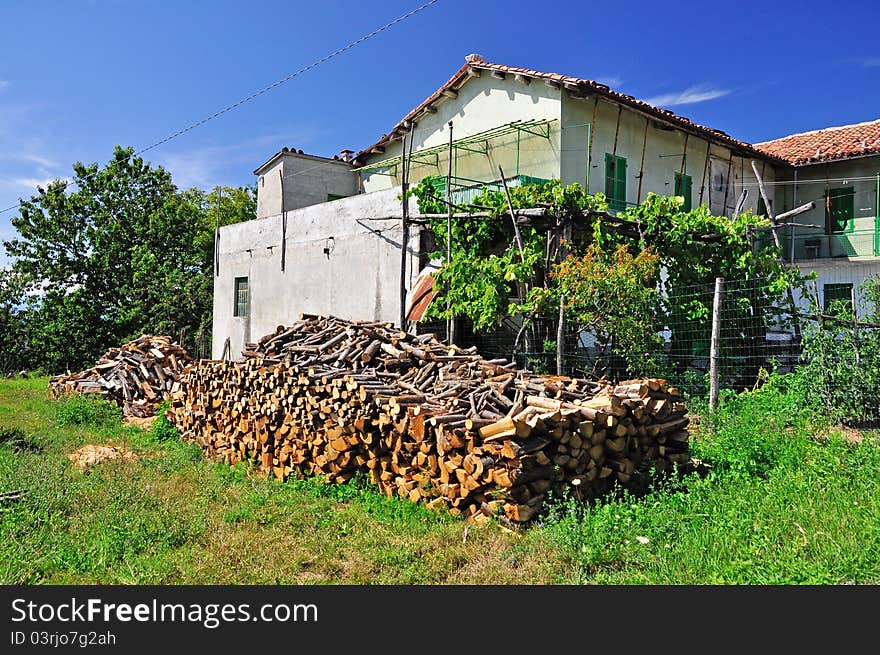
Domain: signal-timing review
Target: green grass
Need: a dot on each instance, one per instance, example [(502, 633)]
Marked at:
[(779, 505)]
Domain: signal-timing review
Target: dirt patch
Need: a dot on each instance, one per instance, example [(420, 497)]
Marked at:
[(89, 455), (144, 423)]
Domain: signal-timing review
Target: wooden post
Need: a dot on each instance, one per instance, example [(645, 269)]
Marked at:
[(450, 322), (217, 234), (791, 303), (560, 325), (404, 235), (715, 344), (519, 242), (855, 318)]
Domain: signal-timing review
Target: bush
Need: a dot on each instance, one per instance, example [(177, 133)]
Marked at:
[(757, 431), (163, 429), (88, 410)]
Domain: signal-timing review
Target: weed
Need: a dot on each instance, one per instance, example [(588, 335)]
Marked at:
[(88, 410), (163, 429)]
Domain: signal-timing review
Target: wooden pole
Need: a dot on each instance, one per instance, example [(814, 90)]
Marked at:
[(283, 220), (516, 233), (560, 325), (715, 344), (404, 236), (217, 234), (791, 303), (450, 322)]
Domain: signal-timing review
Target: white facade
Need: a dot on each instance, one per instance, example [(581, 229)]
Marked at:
[(306, 180), (340, 258)]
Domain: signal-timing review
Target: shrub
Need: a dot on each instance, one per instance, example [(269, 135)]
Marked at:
[(163, 429), (757, 431), (88, 410)]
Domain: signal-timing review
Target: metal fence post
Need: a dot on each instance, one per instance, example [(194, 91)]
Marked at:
[(714, 348)]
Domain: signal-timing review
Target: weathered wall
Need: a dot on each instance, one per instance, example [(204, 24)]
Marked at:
[(307, 181), (358, 279), (483, 103), (654, 152), (830, 271)]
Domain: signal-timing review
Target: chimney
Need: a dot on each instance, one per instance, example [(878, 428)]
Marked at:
[(474, 57), (346, 154)]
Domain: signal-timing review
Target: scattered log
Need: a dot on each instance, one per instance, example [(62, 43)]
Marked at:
[(137, 376)]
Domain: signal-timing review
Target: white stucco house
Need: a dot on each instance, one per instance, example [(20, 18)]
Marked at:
[(327, 236)]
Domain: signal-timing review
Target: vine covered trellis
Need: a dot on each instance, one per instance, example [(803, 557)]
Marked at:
[(550, 253)]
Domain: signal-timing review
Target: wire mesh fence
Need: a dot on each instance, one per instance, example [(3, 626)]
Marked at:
[(760, 328)]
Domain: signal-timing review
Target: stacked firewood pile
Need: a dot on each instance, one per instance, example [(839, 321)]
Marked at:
[(425, 420), (138, 375)]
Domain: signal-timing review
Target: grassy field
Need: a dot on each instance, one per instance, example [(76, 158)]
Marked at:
[(786, 501)]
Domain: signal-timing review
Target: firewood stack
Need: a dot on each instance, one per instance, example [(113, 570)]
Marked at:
[(138, 375), (425, 420)]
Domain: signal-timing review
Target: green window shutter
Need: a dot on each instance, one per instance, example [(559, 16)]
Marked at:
[(835, 293), (620, 183), (334, 196), (683, 187), (609, 176), (840, 209)]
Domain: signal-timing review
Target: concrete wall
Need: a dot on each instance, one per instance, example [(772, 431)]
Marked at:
[(357, 280), (483, 103), (307, 181)]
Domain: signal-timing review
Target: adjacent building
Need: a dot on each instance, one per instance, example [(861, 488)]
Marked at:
[(837, 168)]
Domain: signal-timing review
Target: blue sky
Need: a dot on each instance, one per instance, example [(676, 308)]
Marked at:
[(80, 76)]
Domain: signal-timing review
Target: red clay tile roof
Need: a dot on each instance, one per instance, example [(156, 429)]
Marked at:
[(827, 144), (575, 84)]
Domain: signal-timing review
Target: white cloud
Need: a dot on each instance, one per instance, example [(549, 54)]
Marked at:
[(690, 96), (609, 80), (38, 159), (871, 62), (4, 84), (202, 167), (33, 182)]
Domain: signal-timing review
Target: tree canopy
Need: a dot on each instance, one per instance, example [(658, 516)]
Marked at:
[(117, 251)]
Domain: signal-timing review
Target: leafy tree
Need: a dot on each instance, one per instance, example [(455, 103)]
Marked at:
[(114, 253)]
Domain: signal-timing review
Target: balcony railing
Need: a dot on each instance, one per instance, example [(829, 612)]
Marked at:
[(856, 243)]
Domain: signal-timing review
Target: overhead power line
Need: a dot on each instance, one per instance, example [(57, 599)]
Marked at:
[(274, 85)]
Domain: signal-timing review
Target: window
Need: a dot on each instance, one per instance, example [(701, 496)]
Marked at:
[(615, 181), (242, 297), (683, 188), (835, 293), (839, 210)]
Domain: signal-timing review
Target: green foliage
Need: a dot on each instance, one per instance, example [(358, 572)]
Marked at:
[(840, 368), (115, 253), (92, 411), (613, 295), (756, 432), (163, 429), (610, 281)]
